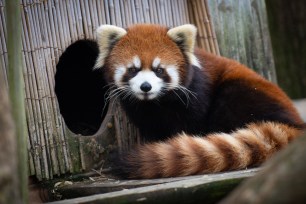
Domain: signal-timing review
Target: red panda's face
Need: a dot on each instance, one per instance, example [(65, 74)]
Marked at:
[(145, 61)]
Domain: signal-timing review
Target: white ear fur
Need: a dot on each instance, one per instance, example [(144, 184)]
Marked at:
[(107, 35), (185, 37)]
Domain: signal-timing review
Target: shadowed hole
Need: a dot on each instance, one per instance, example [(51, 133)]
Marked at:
[(79, 89)]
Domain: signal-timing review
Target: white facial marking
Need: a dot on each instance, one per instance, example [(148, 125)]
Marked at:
[(136, 61), (152, 79), (119, 72), (174, 75), (156, 62)]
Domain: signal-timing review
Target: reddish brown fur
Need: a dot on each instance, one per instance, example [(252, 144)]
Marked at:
[(223, 69), (184, 155)]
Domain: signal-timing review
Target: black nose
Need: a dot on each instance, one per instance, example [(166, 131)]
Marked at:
[(145, 87)]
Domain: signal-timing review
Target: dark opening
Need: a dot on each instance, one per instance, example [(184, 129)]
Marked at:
[(79, 89)]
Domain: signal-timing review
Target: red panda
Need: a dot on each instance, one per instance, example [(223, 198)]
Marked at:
[(198, 112)]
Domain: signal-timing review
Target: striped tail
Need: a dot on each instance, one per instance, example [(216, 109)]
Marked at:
[(189, 155)]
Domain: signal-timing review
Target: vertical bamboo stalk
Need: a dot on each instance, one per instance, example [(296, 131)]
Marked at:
[(3, 45), (153, 14), (146, 11), (33, 129), (2, 62), (58, 158), (16, 91), (186, 19), (169, 20), (39, 89), (88, 21), (124, 15), (70, 18), (99, 12), (129, 15), (41, 67), (133, 11), (211, 25), (94, 17), (29, 113), (111, 7), (107, 9), (118, 14), (79, 20), (8, 165)]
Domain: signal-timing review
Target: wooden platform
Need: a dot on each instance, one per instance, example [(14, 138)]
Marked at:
[(191, 189)]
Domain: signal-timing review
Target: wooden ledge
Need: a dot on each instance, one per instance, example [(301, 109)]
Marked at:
[(191, 189)]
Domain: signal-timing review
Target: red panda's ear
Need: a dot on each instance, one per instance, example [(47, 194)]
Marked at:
[(185, 36), (107, 36)]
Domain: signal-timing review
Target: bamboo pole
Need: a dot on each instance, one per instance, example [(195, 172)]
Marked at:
[(199, 15), (62, 148), (29, 114), (41, 67), (186, 19), (57, 142), (146, 10), (30, 96), (123, 13), (2, 64), (119, 20), (99, 11), (16, 91), (94, 17), (4, 37), (47, 73), (88, 20), (208, 26), (38, 81), (3, 52), (10, 192), (36, 90)]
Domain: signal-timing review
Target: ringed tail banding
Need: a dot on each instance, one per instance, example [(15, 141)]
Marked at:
[(186, 154)]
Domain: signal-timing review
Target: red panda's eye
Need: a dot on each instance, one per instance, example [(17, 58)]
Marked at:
[(132, 70), (159, 70)]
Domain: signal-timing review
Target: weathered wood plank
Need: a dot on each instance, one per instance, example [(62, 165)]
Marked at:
[(192, 189), (288, 30), (242, 32)]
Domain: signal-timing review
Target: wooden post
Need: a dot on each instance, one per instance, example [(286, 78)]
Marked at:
[(16, 91), (8, 155), (288, 29)]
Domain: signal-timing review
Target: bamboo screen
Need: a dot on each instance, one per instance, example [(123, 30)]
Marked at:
[(49, 26)]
